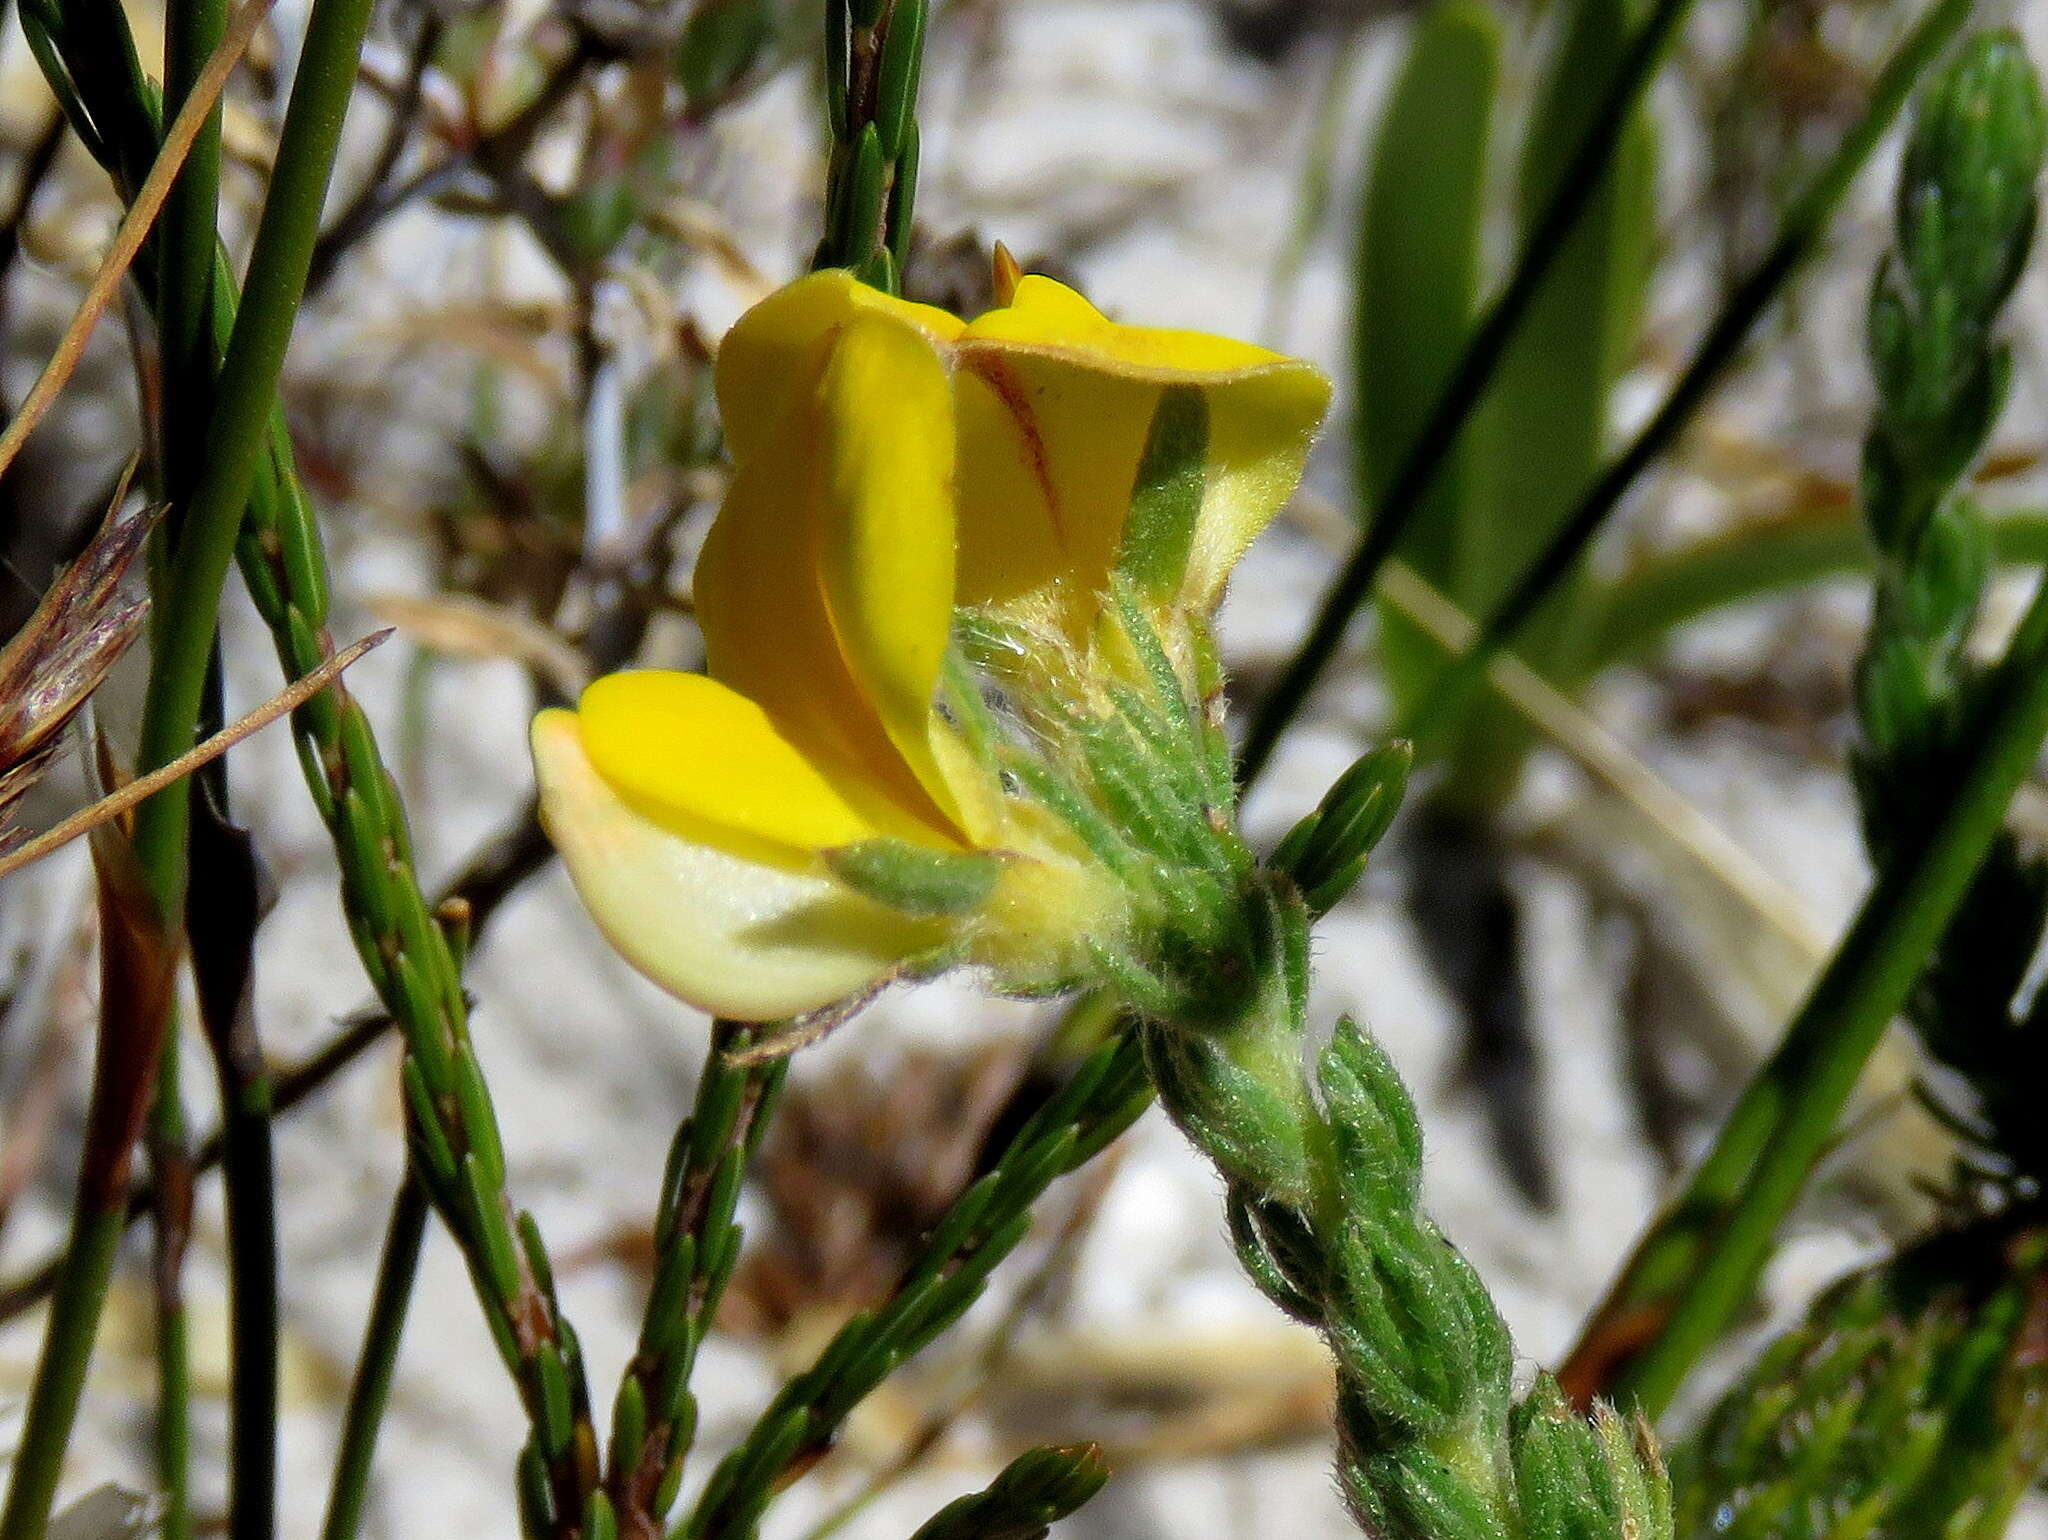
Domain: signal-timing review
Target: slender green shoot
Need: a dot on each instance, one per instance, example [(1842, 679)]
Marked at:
[(1409, 485), (369, 1393), (1805, 226)]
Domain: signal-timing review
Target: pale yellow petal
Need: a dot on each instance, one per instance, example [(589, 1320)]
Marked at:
[(1262, 425), (776, 350), (704, 761), (733, 937)]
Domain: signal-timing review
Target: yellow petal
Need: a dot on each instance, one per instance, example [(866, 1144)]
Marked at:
[(1053, 428), (1048, 454), (1045, 314), (770, 631), (886, 529), (732, 937), (775, 351), (704, 762), (1262, 424)]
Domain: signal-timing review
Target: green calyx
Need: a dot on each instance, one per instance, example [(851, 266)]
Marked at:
[(1166, 500), (1118, 749), (917, 880)]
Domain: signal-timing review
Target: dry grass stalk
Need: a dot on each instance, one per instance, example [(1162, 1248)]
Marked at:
[(119, 801)]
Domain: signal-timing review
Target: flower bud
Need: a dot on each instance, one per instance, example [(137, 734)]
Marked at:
[(1326, 852)]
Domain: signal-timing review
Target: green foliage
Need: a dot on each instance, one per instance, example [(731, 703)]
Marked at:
[(1096, 1104), (1035, 1490), (1965, 218), (914, 879), (1911, 1402), (95, 72), (1417, 286), (1323, 1186), (1692, 1272), (1544, 430), (1580, 1478), (1539, 433), (723, 43), (696, 1248), (1325, 853), (1668, 589), (410, 955), (1800, 235), (1910, 1399), (1965, 222), (874, 55), (1475, 370)]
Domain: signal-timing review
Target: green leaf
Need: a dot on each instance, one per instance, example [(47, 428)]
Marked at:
[(1418, 280), (1965, 216), (1907, 1404), (1326, 852), (896, 84), (1544, 428), (1035, 1490), (722, 43)]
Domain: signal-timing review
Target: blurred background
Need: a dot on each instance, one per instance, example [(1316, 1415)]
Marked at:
[(1586, 926)]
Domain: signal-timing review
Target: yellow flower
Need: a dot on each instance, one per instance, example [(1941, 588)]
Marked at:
[(892, 465)]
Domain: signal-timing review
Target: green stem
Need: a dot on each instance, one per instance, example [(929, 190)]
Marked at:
[(170, 1164), (102, 67), (405, 946), (60, 1377), (248, 1178), (983, 1226), (237, 436), (186, 241), (1469, 378), (236, 443), (1696, 1267), (222, 912), (494, 873), (370, 1393), (697, 1244), (873, 58), (1667, 591), (1801, 233)]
